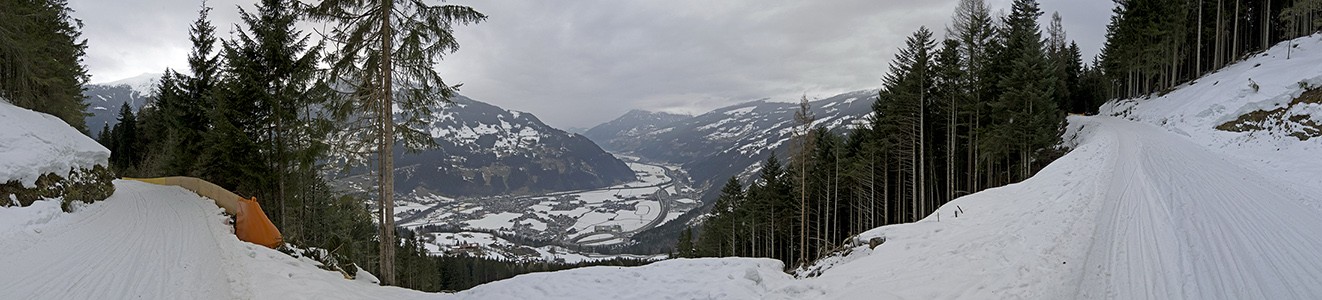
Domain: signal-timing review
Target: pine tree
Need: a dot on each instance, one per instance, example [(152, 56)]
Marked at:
[(376, 41)]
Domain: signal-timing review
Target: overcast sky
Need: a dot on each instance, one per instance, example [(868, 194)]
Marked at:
[(580, 63)]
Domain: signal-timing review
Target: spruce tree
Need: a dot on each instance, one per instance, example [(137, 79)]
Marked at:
[(124, 155), (41, 55), (269, 98), (684, 247), (1027, 117), (719, 230), (377, 44)]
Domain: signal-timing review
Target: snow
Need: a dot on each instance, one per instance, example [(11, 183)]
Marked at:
[(143, 84), (494, 221), (155, 242), (33, 144)]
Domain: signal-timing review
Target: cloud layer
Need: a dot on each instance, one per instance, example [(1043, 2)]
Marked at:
[(579, 63)]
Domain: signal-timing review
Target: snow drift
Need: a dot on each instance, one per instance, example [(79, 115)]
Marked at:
[(33, 144)]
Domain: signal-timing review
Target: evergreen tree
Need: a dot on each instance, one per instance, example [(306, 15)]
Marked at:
[(124, 156), (184, 101), (378, 44), (41, 59), (268, 104), (719, 231), (1027, 117), (103, 137), (684, 247), (904, 101)]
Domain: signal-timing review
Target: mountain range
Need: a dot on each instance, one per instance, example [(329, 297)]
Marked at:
[(729, 141)]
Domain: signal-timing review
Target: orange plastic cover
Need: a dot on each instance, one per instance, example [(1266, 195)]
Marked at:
[(252, 225)]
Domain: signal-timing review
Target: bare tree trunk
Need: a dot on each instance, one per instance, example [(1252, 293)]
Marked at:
[(1220, 39), (385, 150), (1198, 53), (1234, 53)]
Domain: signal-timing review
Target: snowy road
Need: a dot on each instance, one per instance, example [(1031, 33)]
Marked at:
[(144, 242), (1134, 212), (1180, 222)]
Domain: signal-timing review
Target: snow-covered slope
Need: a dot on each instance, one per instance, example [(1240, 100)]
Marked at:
[(104, 99), (623, 132), (152, 242), (484, 150), (33, 144), (732, 140)]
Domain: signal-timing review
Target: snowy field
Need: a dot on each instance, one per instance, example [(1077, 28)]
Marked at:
[(565, 215), (480, 244), (33, 144)]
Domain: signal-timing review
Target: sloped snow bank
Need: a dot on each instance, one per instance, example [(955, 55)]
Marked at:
[(1134, 212), (706, 278), (33, 144), (1196, 109), (153, 242)]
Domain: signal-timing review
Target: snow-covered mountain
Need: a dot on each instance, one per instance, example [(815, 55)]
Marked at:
[(487, 150), (104, 99), (623, 133), (732, 140)]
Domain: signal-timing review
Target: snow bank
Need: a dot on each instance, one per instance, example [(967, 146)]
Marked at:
[(711, 278), (1197, 108), (33, 144)]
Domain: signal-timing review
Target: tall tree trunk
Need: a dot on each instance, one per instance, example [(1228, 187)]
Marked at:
[(1198, 44), (1220, 36), (385, 150), (1234, 53)]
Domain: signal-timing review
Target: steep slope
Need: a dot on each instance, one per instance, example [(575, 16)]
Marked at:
[(487, 150), (731, 141), (625, 132), (104, 99)]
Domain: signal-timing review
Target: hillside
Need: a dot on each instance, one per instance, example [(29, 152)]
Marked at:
[(487, 150), (104, 99), (624, 132), (732, 140)]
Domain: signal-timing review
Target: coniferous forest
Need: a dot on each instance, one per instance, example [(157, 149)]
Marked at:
[(980, 108)]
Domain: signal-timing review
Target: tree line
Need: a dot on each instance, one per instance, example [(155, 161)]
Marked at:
[(981, 108), (41, 59), (1154, 45)]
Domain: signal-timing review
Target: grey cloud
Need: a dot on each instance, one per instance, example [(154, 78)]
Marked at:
[(578, 63)]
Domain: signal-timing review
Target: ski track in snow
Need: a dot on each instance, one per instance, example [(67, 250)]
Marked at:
[(1134, 212), (1172, 229), (120, 250)]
